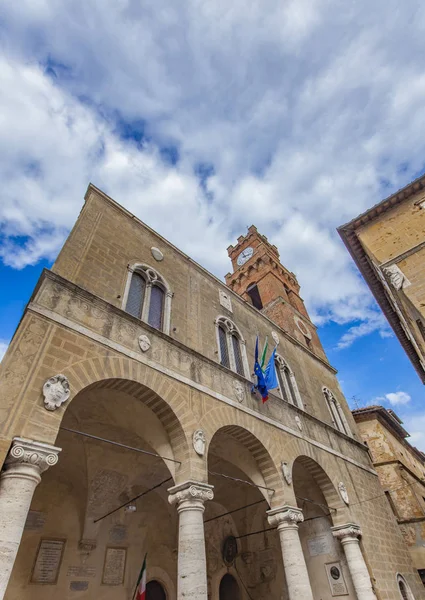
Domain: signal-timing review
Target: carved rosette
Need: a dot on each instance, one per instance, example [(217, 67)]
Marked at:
[(348, 532), (33, 454), (190, 492), (285, 516)]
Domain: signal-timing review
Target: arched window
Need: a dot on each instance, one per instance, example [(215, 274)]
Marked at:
[(155, 591), (229, 589), (404, 588), (148, 297), (287, 383), (231, 346), (337, 414), (254, 294)]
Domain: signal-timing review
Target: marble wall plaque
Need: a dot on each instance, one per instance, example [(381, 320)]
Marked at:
[(80, 571), (79, 586), (321, 544), (336, 579), (114, 567), (35, 520), (47, 563)]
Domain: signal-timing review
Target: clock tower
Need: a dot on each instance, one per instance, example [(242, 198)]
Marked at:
[(260, 278)]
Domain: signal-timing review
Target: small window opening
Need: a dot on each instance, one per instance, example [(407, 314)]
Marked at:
[(254, 294)]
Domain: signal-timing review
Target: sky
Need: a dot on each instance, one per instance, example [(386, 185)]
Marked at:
[(203, 118)]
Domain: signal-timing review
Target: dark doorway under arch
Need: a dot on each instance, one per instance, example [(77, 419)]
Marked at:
[(155, 591), (229, 589)]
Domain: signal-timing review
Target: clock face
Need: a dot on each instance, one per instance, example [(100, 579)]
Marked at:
[(245, 255)]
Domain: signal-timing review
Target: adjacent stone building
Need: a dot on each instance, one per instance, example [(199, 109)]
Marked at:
[(401, 470), (387, 243), (128, 426)]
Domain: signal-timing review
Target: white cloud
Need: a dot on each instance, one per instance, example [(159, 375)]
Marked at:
[(414, 423), (296, 106), (397, 398), (3, 347)]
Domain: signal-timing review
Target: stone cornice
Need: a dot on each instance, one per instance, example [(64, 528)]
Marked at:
[(107, 342), (31, 453)]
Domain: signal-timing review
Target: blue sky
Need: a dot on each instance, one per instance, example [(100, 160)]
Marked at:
[(203, 118)]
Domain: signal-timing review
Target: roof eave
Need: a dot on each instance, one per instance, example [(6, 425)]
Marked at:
[(355, 248)]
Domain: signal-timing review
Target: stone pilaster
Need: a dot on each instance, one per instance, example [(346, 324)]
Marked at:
[(349, 535), (21, 474), (286, 519), (191, 563)]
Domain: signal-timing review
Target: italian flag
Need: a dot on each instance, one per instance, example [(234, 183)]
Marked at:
[(141, 583)]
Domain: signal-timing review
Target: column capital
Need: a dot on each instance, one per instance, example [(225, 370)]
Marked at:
[(347, 532), (190, 491), (30, 453), (285, 516)]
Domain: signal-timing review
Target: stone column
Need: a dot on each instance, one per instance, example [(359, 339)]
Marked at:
[(20, 476), (349, 536), (286, 519), (191, 562)]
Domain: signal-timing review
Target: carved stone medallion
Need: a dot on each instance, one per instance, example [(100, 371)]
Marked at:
[(275, 338), (144, 343), (286, 472), (343, 492), (298, 422), (199, 442), (239, 391), (55, 391), (157, 254)]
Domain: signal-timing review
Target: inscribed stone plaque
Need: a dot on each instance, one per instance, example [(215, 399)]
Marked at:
[(47, 563), (81, 571), (78, 586), (35, 520), (336, 579), (321, 544), (114, 567)]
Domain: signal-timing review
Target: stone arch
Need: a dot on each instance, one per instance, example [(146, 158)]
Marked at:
[(338, 510), (253, 437), (160, 394)]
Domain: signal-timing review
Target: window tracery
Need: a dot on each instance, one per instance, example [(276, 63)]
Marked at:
[(287, 382), (231, 346), (337, 414), (148, 297)]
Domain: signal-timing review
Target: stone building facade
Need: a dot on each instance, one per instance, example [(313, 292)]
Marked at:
[(128, 426), (387, 243), (401, 470)]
